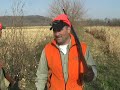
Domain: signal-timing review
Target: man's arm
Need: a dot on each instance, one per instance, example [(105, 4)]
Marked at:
[(42, 72), (92, 71), (3, 84)]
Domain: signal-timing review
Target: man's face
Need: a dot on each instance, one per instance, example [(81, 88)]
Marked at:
[(62, 37)]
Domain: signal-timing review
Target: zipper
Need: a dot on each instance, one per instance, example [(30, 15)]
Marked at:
[(65, 86)]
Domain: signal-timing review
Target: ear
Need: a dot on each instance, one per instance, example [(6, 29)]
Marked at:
[(69, 29)]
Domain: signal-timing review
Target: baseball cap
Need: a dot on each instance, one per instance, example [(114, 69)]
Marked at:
[(1, 26), (59, 22)]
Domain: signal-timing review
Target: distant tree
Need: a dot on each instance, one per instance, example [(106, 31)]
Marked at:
[(107, 21), (115, 22), (17, 12), (74, 9)]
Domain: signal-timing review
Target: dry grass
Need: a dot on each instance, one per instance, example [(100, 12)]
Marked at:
[(32, 35), (106, 54), (111, 36)]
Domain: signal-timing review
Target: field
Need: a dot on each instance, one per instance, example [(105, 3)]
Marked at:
[(21, 49), (29, 34), (106, 53)]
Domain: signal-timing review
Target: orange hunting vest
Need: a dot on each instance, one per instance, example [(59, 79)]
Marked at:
[(55, 66)]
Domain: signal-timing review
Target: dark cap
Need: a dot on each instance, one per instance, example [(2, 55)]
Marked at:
[(58, 25), (59, 22), (1, 26)]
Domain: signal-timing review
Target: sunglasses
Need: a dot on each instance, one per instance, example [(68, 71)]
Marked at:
[(58, 25)]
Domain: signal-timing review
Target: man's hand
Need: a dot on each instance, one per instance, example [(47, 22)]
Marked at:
[(88, 77)]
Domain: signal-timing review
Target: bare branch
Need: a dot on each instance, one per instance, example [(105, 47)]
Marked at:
[(74, 9)]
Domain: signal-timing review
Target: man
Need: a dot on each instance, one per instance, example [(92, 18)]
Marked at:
[(60, 58), (1, 27), (4, 83), (0, 30)]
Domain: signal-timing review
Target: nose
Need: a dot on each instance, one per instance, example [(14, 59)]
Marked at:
[(56, 33)]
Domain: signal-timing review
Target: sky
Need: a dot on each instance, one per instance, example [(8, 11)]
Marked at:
[(97, 9)]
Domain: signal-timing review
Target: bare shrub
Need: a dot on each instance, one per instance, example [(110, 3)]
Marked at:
[(97, 33), (18, 57)]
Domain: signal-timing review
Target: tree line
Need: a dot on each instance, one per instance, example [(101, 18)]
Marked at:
[(101, 22), (31, 20)]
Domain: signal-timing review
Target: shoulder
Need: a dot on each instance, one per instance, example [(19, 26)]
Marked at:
[(51, 44), (83, 44), (48, 45)]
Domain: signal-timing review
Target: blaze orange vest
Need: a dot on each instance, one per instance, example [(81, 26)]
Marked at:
[(55, 65)]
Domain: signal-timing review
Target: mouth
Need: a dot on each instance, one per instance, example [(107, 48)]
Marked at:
[(58, 38)]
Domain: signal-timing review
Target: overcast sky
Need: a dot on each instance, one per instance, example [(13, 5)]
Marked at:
[(95, 8)]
